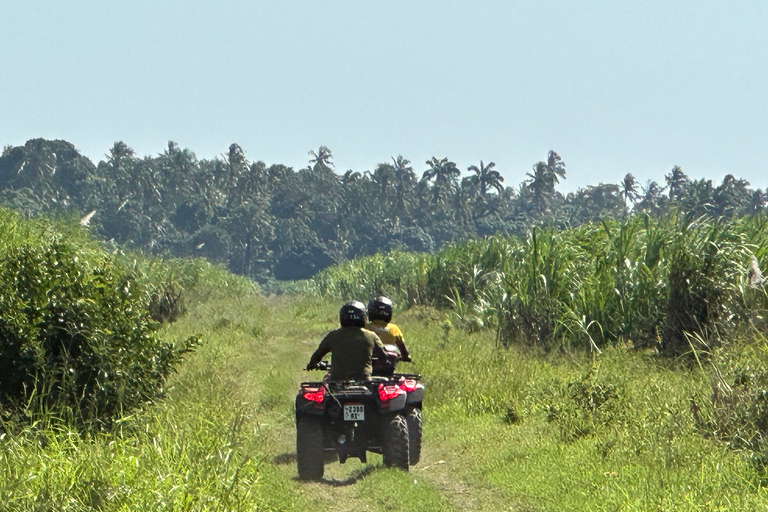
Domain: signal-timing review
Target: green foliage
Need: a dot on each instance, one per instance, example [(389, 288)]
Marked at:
[(564, 431), (650, 282), (707, 273), (166, 304), (76, 339), (195, 278), (275, 222), (400, 275)]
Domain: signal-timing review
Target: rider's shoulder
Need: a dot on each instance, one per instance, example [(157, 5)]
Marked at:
[(394, 330)]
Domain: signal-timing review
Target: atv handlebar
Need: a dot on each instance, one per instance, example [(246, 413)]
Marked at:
[(322, 365)]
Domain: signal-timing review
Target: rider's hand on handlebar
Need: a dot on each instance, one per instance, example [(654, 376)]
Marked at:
[(309, 367), (406, 359)]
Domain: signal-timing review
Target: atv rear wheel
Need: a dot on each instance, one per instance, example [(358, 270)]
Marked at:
[(415, 422), (309, 448), (395, 449)]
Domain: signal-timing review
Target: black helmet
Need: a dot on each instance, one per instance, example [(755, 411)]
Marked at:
[(380, 308), (352, 314)]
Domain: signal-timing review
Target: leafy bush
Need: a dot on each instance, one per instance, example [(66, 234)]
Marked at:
[(76, 338)]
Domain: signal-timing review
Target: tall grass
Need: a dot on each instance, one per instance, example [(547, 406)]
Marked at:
[(678, 285), (642, 281), (399, 274)]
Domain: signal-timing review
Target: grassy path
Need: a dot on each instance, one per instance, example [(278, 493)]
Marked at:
[(258, 357), (353, 486), (285, 332)]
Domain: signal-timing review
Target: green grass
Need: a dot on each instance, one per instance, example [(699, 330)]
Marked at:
[(572, 432), (505, 429)]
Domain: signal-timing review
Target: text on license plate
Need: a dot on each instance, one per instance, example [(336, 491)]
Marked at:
[(354, 412)]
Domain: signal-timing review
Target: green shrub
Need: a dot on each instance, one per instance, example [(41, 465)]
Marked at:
[(76, 338)]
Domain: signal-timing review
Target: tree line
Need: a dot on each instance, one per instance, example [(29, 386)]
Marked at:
[(274, 222)]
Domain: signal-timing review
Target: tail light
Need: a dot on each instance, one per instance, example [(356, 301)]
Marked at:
[(387, 393), (316, 395), (409, 385)]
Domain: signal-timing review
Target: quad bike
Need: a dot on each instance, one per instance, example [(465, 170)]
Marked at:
[(343, 419)]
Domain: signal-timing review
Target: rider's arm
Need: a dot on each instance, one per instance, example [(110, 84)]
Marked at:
[(400, 342), (322, 350), (378, 347)]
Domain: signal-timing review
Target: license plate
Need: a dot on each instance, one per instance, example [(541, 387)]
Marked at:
[(354, 412)]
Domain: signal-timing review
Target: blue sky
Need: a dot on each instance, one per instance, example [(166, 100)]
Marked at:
[(613, 87)]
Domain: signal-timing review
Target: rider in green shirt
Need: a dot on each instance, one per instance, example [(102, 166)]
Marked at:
[(352, 346)]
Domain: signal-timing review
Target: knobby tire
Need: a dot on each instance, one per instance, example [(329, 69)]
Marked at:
[(309, 448)]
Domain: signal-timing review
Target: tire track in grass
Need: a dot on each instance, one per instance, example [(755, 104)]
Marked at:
[(293, 337), (442, 467), (438, 482)]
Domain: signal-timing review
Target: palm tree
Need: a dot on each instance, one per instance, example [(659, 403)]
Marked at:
[(757, 202), (486, 176), (177, 173), (555, 167), (118, 154), (402, 165), (405, 183), (732, 197), (120, 164), (351, 177), (237, 165), (462, 210), (543, 180), (677, 182), (383, 176), (445, 175), (321, 158), (629, 189), (700, 198), (652, 197)]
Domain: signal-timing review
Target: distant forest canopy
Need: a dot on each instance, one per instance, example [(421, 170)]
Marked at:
[(274, 222)]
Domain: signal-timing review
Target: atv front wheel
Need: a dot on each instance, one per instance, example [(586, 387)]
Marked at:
[(309, 448), (395, 449), (415, 422)]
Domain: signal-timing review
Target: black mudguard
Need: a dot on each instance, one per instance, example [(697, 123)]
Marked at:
[(415, 397)]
